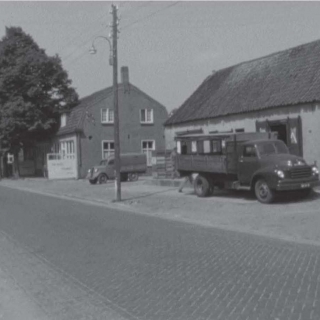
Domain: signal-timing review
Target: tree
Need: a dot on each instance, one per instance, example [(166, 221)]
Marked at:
[(34, 89)]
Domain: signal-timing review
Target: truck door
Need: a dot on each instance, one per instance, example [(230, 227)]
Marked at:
[(248, 163), (110, 169)]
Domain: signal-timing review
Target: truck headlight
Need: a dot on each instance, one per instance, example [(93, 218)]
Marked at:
[(95, 170), (315, 170), (89, 170), (279, 173), (289, 163)]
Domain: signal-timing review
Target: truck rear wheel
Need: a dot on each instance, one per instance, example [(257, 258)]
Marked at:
[(262, 191), (202, 186), (133, 176)]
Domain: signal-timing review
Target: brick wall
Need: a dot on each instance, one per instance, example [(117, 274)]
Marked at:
[(132, 132)]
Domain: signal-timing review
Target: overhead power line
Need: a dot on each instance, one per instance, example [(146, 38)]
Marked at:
[(150, 15)]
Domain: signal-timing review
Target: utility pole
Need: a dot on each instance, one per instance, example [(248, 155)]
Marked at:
[(115, 104)]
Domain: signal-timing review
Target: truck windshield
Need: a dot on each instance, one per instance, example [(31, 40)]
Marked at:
[(274, 147)]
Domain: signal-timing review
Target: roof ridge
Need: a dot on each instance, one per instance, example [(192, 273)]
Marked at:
[(263, 57)]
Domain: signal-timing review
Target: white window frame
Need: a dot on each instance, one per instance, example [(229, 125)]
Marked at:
[(146, 111), (66, 147), (63, 120), (149, 155), (108, 118), (103, 150)]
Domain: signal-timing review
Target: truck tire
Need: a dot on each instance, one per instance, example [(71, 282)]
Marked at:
[(262, 191), (202, 186), (93, 181), (102, 178), (124, 177), (133, 176)]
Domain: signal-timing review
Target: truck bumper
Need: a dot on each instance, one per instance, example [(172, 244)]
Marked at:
[(91, 176), (287, 184)]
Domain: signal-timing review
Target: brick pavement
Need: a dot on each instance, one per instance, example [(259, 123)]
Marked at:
[(160, 270), (30, 289)]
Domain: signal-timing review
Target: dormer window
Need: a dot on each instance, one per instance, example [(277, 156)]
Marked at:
[(63, 120)]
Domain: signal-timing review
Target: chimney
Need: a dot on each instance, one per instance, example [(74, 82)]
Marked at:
[(125, 75)]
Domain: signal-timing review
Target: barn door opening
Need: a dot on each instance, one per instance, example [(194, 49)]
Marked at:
[(281, 131), (288, 130)]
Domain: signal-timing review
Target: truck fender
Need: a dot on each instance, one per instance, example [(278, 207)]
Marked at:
[(266, 174)]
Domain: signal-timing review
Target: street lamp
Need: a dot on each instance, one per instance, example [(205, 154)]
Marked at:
[(113, 61), (93, 49)]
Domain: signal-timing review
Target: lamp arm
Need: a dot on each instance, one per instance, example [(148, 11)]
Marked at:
[(102, 38)]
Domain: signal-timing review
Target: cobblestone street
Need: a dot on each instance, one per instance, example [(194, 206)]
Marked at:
[(132, 266)]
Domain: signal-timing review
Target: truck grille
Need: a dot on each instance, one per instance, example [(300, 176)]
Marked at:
[(298, 173)]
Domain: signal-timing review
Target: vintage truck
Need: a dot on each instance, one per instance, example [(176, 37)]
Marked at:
[(255, 161), (132, 164)]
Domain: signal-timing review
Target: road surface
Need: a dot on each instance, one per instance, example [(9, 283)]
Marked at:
[(148, 268)]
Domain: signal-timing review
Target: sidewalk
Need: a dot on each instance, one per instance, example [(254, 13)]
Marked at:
[(294, 220)]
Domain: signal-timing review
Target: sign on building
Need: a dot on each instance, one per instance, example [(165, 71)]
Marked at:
[(62, 166)]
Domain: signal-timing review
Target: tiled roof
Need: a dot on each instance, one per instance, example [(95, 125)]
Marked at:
[(77, 115), (284, 78)]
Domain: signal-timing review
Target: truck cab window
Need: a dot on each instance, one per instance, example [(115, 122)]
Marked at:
[(111, 162), (249, 151)]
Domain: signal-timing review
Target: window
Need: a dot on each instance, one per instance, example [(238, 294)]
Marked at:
[(249, 151), (193, 146), (147, 147), (63, 120), (107, 149), (179, 147), (146, 116), (216, 146), (66, 147), (107, 116), (206, 146)]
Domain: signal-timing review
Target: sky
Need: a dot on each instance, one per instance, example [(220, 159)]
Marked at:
[(169, 47)]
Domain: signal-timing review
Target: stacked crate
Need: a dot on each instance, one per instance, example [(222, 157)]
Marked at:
[(161, 164)]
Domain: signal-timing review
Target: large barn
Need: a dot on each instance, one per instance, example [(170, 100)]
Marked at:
[(279, 92)]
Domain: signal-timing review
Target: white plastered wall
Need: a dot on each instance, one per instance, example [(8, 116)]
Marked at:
[(310, 118)]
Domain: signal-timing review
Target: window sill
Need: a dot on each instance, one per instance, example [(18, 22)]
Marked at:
[(147, 123)]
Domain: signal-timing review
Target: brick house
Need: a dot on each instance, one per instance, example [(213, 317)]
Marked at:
[(88, 130), (279, 92)]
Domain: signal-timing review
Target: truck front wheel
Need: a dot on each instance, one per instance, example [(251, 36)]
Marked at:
[(102, 178), (263, 192), (202, 186)]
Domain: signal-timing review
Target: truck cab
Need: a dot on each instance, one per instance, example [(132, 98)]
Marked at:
[(267, 166), (248, 161)]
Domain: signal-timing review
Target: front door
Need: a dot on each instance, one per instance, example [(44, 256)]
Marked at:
[(248, 164)]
